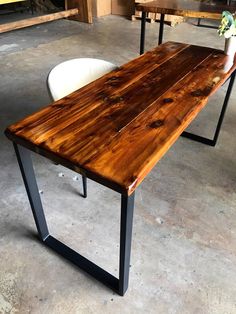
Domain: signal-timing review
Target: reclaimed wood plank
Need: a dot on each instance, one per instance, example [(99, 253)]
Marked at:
[(117, 128), (71, 105), (72, 134), (122, 108), (150, 136), (7, 27), (10, 1)]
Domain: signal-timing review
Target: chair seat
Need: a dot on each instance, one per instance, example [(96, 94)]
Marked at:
[(73, 74)]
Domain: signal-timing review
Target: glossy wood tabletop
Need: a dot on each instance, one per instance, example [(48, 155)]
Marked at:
[(115, 129), (188, 8)]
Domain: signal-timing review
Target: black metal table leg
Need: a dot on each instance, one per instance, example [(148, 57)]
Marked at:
[(84, 179), (126, 223), (212, 142), (127, 205), (143, 29), (223, 110), (161, 29), (27, 171)]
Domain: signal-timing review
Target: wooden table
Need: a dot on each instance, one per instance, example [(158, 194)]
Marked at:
[(117, 128), (187, 8)]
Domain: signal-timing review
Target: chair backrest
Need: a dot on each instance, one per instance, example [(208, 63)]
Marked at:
[(73, 74)]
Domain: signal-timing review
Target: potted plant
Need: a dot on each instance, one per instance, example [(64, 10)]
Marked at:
[(228, 29)]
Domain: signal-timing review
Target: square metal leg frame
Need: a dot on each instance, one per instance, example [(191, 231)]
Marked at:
[(127, 204), (212, 142)]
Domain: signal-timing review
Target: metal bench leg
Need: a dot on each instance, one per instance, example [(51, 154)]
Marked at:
[(127, 205), (161, 29), (212, 142), (126, 223), (84, 179), (142, 36), (143, 30), (27, 171)]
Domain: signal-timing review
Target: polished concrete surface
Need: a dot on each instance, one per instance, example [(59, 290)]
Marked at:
[(184, 236)]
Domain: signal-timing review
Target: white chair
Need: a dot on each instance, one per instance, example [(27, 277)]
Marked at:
[(73, 74)]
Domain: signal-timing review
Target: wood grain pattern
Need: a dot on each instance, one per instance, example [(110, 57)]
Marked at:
[(187, 8), (115, 129)]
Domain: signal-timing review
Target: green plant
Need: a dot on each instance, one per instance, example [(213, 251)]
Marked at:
[(228, 25)]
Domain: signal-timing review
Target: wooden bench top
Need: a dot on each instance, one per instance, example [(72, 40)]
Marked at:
[(187, 8), (116, 129), (10, 1)]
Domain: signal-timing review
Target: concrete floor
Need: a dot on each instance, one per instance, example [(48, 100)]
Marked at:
[(184, 238)]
